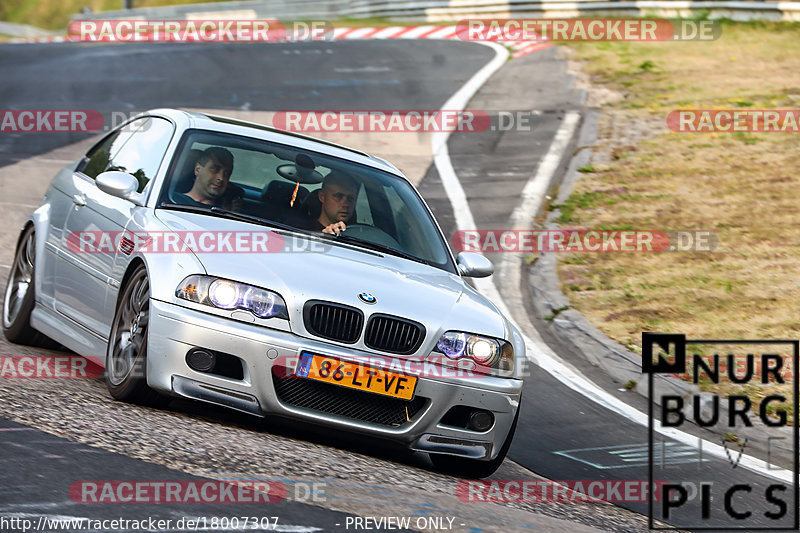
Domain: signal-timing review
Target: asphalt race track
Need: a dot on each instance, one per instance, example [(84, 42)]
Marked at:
[(562, 435)]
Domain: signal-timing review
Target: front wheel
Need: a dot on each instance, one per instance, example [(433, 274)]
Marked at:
[(473, 468), (126, 357)]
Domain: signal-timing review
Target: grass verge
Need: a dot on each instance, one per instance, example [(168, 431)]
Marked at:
[(740, 186)]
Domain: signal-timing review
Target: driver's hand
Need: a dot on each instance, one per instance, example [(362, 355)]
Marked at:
[(335, 229)]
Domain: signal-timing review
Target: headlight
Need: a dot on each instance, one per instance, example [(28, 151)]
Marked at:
[(226, 294), (485, 351)]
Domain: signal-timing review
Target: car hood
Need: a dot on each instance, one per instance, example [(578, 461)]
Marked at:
[(306, 269)]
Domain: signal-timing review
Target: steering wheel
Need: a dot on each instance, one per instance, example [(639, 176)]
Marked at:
[(372, 234)]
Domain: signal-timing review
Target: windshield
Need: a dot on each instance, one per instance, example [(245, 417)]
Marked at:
[(306, 191)]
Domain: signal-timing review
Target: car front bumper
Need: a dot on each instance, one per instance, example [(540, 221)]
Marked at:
[(174, 330)]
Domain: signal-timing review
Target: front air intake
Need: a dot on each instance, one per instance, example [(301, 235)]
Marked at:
[(333, 321), (392, 334)]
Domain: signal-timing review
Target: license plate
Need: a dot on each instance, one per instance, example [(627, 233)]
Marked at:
[(356, 376)]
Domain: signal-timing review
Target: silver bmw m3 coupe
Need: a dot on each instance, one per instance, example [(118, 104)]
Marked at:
[(227, 262)]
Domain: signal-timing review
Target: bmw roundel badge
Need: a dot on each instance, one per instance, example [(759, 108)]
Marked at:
[(367, 298)]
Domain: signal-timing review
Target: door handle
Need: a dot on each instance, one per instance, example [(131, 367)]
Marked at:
[(79, 200)]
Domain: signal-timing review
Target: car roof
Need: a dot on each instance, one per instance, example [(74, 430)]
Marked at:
[(207, 121)]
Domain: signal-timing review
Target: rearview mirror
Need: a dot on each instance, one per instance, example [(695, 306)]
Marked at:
[(474, 265), (120, 184)]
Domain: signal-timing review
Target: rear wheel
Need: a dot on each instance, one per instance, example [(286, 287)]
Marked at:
[(473, 468), (126, 358), (19, 297)]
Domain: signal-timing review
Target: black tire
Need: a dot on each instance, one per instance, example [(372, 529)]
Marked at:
[(126, 357), (19, 295), (473, 468)]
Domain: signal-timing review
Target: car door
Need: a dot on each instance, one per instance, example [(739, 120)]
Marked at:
[(63, 198), (93, 226)]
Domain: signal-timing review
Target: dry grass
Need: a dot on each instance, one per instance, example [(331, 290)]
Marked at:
[(741, 186)]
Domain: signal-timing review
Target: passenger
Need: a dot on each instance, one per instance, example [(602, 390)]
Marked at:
[(212, 173)]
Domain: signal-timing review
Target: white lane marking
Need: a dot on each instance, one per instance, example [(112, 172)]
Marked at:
[(367, 69), (545, 357), (615, 457), (5, 266), (441, 156), (534, 191)]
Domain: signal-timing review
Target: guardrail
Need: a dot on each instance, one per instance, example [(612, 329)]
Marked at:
[(453, 10)]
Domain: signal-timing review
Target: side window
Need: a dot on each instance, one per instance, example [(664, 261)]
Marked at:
[(142, 154), (98, 157), (363, 211)]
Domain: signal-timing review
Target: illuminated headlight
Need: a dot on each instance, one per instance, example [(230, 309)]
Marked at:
[(485, 351), (226, 294)]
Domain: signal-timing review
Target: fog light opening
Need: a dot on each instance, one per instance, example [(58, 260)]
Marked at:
[(201, 360), (480, 420)]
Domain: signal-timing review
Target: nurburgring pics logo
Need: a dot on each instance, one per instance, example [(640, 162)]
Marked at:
[(596, 29), (753, 408)]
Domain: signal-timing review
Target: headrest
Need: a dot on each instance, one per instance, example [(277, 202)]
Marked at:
[(185, 176)]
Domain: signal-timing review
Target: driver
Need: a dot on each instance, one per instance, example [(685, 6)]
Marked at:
[(338, 198)]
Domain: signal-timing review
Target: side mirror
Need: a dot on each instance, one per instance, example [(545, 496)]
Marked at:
[(474, 265), (120, 184)]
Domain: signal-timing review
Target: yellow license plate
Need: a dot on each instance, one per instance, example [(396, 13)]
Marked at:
[(356, 376)]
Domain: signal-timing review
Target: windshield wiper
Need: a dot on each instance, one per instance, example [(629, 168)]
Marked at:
[(380, 248), (225, 213)]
